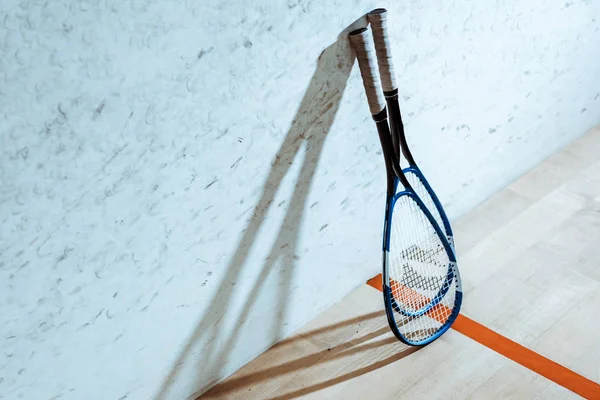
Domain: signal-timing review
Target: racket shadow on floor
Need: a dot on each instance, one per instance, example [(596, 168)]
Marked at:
[(211, 342), (294, 369)]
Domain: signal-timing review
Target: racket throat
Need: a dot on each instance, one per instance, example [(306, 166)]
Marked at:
[(397, 126), (391, 161)]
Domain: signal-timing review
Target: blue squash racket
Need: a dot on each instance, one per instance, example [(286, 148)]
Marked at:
[(421, 284)]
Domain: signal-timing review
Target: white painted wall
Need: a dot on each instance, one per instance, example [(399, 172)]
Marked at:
[(185, 183)]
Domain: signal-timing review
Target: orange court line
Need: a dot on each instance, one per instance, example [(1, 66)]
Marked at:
[(519, 354)]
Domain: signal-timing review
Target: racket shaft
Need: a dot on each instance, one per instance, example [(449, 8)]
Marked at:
[(362, 43), (378, 20)]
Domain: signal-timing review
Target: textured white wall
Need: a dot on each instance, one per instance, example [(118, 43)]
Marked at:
[(184, 183)]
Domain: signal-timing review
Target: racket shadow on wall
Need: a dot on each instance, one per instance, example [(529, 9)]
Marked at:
[(210, 345)]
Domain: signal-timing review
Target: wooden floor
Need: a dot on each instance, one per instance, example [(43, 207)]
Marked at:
[(530, 261)]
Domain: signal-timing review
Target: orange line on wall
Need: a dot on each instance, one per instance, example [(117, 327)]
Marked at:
[(519, 354)]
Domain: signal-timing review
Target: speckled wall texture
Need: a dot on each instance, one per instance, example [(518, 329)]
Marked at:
[(185, 183)]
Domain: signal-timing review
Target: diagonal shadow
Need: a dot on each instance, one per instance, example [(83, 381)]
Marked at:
[(347, 376), (337, 325), (364, 344), (308, 130)]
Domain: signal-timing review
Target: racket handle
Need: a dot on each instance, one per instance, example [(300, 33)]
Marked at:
[(361, 41), (378, 20)]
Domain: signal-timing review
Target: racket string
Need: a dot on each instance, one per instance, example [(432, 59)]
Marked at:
[(418, 265), (416, 181)]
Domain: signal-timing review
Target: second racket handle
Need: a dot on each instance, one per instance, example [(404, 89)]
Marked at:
[(361, 41), (378, 21)]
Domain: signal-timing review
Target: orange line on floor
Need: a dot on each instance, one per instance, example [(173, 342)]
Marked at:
[(519, 354)]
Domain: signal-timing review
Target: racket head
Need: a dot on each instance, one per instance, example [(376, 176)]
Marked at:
[(425, 192), (421, 283)]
